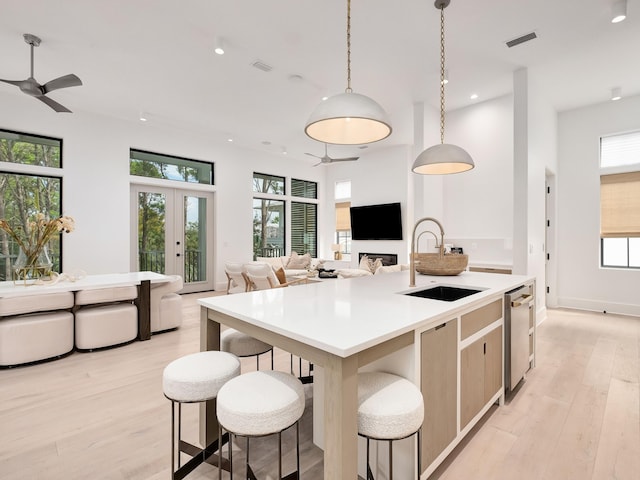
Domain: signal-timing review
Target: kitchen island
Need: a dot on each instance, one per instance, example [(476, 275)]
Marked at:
[(345, 325)]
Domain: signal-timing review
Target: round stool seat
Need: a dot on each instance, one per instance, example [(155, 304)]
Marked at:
[(260, 403), (390, 407), (241, 344), (198, 377)]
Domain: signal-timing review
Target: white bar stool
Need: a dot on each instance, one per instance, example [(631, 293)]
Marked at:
[(243, 345), (261, 403), (390, 408), (195, 378)]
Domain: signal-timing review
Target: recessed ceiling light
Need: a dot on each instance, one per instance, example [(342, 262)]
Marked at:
[(229, 139), (446, 77), (143, 117), (324, 98), (616, 94), (284, 150), (266, 142), (219, 46), (618, 11), (473, 96)]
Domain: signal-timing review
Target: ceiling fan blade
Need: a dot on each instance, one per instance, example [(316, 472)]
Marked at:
[(319, 163), (17, 83), (53, 104), (312, 155), (346, 159), (70, 80)]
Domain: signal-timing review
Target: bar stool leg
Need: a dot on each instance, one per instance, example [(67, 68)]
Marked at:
[(390, 459), (280, 455), (369, 472), (219, 452), (298, 448), (419, 451), (179, 430), (173, 438)]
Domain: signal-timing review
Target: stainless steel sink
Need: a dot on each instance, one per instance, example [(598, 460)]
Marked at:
[(444, 293)]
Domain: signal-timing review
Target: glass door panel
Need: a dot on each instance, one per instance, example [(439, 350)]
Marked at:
[(151, 232), (174, 234), (195, 239)]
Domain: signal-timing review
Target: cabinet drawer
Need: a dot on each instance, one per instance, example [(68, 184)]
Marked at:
[(475, 321)]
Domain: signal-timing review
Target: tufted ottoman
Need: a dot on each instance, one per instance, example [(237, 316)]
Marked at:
[(261, 403), (390, 408)]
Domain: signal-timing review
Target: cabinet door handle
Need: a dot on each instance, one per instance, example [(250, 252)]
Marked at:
[(441, 326), (485, 348)]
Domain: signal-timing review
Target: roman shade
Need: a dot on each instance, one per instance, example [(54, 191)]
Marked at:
[(620, 205), (343, 219)]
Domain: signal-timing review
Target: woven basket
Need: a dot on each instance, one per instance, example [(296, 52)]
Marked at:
[(434, 264)]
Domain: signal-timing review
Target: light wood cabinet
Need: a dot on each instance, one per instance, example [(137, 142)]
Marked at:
[(439, 384), (480, 374)]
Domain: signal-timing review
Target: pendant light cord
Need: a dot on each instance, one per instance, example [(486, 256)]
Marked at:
[(348, 90), (442, 74)]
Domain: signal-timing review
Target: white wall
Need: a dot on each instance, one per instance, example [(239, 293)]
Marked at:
[(377, 177), (96, 181), (542, 160), (581, 281)]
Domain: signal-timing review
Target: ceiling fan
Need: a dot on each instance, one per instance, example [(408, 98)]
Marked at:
[(31, 87), (327, 159)]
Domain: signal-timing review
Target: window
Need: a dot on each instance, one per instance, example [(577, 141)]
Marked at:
[(303, 188), (304, 228), (23, 195), (167, 167), (343, 218), (271, 206), (620, 201)]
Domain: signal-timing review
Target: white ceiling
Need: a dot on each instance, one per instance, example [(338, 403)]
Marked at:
[(156, 56)]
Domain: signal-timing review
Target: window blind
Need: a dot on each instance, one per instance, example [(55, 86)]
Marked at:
[(343, 218), (620, 150), (620, 205)]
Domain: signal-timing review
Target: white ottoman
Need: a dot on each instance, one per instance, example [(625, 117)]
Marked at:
[(35, 337), (27, 336), (390, 408), (261, 403), (197, 377), (106, 317), (106, 326), (243, 345)]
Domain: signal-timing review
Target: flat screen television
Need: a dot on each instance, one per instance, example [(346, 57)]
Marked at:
[(376, 222)]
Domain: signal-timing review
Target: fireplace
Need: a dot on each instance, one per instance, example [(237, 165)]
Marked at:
[(387, 258)]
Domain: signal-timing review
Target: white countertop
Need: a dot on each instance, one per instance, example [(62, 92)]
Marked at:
[(346, 316), (11, 289)]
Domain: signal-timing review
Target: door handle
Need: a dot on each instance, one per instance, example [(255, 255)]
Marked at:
[(522, 300), (177, 254)]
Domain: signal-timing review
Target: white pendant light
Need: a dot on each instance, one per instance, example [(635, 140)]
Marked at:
[(348, 118), (445, 158)]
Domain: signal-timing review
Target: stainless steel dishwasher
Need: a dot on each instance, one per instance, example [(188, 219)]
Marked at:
[(519, 311)]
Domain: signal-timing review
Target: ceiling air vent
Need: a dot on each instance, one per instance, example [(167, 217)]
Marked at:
[(522, 39), (260, 65)]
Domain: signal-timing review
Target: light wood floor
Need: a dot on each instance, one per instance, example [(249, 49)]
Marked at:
[(102, 415)]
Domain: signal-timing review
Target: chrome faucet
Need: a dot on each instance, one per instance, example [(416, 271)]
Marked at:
[(412, 261)]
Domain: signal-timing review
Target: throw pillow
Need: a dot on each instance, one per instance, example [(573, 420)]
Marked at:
[(299, 262), (377, 263), (365, 264), (282, 278)]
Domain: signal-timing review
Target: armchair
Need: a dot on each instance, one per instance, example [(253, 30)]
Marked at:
[(166, 305)]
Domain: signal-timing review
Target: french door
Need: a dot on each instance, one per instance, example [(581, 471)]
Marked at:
[(172, 233)]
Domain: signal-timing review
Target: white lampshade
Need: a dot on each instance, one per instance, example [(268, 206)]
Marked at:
[(348, 119), (443, 159)]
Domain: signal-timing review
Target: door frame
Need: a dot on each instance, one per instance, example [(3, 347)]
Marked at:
[(175, 213)]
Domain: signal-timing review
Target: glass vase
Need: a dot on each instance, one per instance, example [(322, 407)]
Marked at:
[(28, 269)]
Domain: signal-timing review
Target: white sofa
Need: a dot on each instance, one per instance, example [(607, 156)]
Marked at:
[(293, 264)]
